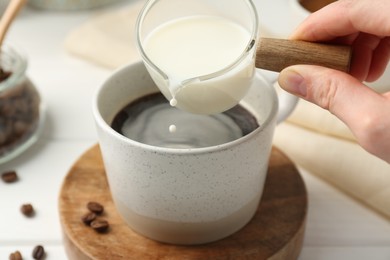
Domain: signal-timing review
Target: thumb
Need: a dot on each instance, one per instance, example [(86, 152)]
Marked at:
[(359, 107)]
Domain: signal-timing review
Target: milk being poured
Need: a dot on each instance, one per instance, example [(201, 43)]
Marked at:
[(189, 50)]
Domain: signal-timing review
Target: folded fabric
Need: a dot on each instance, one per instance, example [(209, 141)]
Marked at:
[(107, 39), (341, 162), (312, 117), (319, 142)]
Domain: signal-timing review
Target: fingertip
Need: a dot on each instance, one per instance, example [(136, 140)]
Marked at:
[(292, 81)]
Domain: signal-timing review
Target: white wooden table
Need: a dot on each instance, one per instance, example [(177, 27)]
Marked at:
[(338, 227)]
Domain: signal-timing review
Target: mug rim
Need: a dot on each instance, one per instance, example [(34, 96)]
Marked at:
[(101, 122)]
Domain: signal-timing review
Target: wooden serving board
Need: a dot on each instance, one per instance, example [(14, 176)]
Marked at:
[(275, 232)]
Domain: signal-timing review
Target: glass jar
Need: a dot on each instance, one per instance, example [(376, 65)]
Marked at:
[(21, 110)]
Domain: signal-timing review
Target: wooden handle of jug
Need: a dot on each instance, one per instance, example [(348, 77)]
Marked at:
[(277, 54)]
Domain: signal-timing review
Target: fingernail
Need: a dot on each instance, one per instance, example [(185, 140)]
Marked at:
[(292, 82)]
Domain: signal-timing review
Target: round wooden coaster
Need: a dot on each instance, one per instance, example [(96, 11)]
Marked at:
[(275, 232)]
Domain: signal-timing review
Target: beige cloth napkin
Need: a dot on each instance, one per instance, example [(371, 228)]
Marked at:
[(341, 162), (319, 120), (312, 138), (107, 39), (319, 142)]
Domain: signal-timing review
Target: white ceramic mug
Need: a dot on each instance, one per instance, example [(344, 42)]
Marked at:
[(185, 195)]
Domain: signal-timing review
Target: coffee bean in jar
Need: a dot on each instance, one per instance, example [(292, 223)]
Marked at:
[(20, 105)]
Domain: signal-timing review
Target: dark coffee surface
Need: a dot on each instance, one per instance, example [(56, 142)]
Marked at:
[(153, 111)]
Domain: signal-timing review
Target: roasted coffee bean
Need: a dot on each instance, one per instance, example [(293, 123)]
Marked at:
[(38, 252), (15, 256), (27, 210), (100, 225), (9, 177), (88, 218), (95, 207)]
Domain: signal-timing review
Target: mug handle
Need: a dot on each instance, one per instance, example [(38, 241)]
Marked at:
[(287, 101)]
